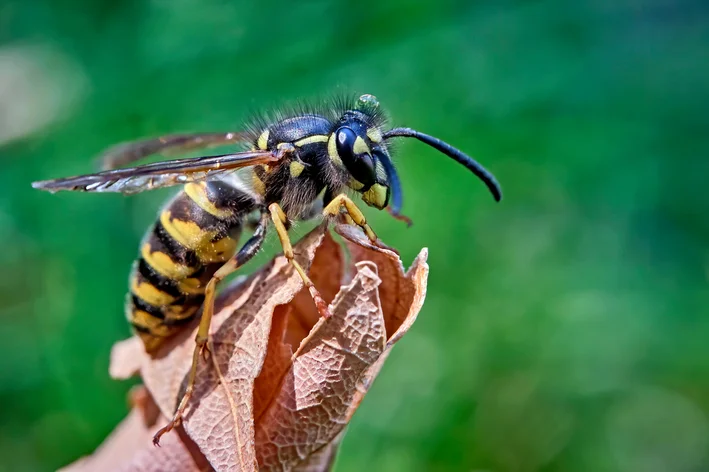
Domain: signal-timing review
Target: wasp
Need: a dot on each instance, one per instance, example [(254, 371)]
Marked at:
[(287, 166)]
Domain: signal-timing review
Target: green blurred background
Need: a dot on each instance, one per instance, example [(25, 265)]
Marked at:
[(565, 329)]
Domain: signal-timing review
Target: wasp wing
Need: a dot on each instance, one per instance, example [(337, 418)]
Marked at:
[(159, 174), (126, 153)]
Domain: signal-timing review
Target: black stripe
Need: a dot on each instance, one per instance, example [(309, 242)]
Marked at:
[(154, 311), (141, 329), (223, 195), (179, 321), (200, 272), (177, 252), (157, 280), (193, 301), (187, 210)]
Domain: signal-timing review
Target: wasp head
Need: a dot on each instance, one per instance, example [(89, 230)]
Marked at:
[(357, 146)]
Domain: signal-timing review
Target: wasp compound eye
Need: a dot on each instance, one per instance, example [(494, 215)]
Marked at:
[(344, 140), (355, 155)]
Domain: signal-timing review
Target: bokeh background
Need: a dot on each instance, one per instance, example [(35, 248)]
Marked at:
[(565, 329)]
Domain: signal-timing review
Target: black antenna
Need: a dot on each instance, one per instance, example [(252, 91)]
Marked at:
[(397, 198), (487, 178)]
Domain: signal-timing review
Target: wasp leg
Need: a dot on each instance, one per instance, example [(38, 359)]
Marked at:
[(354, 214), (280, 219), (247, 251)]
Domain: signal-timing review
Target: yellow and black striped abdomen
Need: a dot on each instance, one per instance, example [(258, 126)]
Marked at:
[(194, 235)]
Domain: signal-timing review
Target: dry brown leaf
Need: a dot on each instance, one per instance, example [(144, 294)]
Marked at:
[(322, 460), (257, 404), (129, 446), (314, 396), (401, 293)]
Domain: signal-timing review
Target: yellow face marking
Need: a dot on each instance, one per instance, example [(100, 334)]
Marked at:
[(191, 286), (375, 135), (376, 196), (332, 151), (360, 147), (262, 141), (164, 265), (316, 138), (296, 168), (150, 294), (355, 184), (257, 184), (198, 193)]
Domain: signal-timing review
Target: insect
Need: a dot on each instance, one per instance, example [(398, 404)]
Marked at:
[(292, 164)]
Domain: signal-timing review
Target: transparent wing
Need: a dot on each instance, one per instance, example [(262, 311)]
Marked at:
[(126, 153), (160, 174)]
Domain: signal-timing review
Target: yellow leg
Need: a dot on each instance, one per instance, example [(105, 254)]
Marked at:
[(248, 250), (343, 201), (280, 219)]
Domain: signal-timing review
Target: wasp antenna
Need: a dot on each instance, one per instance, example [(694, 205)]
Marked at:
[(397, 197), (488, 179)]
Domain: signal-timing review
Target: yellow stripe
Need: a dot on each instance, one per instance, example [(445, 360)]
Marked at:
[(190, 235), (150, 294), (332, 151), (218, 251), (187, 233), (155, 325), (316, 138), (164, 265), (152, 343), (180, 312), (198, 193), (191, 286)]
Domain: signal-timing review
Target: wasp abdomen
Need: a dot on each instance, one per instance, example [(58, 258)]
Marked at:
[(194, 235)]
